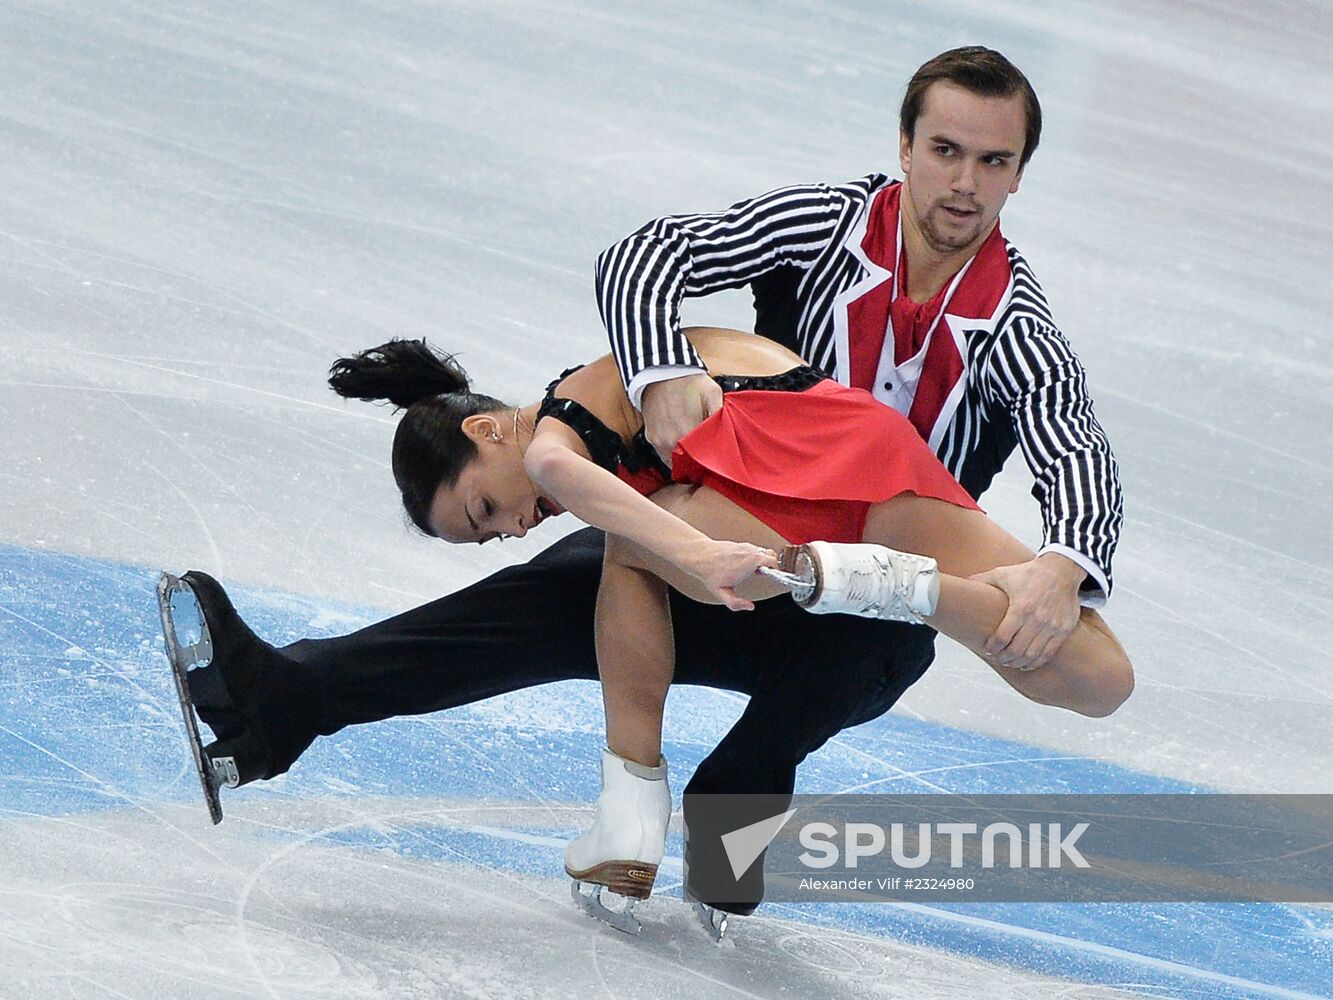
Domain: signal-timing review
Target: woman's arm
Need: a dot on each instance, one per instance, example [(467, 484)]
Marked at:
[(598, 498)]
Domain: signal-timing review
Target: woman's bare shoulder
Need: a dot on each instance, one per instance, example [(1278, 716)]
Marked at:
[(597, 386), (591, 379)]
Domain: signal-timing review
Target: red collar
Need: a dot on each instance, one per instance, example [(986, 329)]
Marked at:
[(976, 294)]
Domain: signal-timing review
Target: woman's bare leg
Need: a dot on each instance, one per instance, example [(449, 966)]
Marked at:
[(635, 649), (717, 517), (1089, 674), (636, 653)]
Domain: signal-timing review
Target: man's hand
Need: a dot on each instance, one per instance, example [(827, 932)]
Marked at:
[(1043, 609), (674, 407)]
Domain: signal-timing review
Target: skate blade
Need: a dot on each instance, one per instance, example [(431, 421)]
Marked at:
[(182, 657), (713, 920), (798, 571), (791, 581), (588, 895)]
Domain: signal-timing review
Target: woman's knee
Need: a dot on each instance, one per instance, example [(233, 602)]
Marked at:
[(1114, 685), (616, 552), (1092, 690), (621, 551), (1113, 672)]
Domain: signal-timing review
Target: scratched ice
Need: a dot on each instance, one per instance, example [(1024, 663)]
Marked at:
[(204, 204)]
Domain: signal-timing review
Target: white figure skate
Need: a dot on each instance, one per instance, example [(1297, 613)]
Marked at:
[(621, 852), (872, 581)]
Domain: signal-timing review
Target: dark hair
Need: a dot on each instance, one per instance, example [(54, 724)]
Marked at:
[(985, 73), (430, 449)]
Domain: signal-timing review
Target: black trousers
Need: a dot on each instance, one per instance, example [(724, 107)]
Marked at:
[(808, 676)]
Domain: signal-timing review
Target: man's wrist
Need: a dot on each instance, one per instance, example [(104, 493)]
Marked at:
[(651, 376), (1065, 567), (1095, 587)]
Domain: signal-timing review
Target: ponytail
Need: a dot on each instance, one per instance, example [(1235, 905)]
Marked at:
[(430, 449), (400, 372)]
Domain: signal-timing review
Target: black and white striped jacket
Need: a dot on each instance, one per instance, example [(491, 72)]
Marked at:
[(798, 250)]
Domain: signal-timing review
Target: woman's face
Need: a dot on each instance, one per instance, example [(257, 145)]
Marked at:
[(494, 496)]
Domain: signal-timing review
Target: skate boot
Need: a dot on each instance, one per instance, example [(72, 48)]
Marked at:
[(621, 852), (872, 581), (211, 650), (712, 919), (709, 884)]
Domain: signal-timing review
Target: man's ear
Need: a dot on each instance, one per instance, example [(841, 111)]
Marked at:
[(1018, 178), (905, 152)]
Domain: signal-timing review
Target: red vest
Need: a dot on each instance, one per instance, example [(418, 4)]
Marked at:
[(975, 293)]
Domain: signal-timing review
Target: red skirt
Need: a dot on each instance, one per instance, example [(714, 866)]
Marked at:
[(809, 464)]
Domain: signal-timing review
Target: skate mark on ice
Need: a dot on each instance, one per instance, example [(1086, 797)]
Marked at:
[(107, 788), (1090, 947), (127, 359), (1249, 654), (943, 769), (193, 459), (36, 247), (383, 818), (113, 792), (1258, 445), (1208, 529)]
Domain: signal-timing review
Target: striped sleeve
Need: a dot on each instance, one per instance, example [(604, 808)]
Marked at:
[(642, 279), (1033, 372)]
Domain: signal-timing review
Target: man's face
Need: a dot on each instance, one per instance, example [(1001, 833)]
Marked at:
[(962, 164)]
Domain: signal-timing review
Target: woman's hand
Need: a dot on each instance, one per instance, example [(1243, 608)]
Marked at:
[(723, 566)]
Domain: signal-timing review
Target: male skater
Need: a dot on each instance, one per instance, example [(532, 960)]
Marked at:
[(907, 290)]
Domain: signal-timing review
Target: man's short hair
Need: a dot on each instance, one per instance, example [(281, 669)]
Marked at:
[(985, 73)]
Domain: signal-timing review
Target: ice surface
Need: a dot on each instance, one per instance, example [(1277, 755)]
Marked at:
[(204, 204)]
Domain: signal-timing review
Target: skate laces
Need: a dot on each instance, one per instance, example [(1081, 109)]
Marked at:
[(873, 584)]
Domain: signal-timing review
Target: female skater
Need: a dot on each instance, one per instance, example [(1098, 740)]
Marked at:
[(797, 484)]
